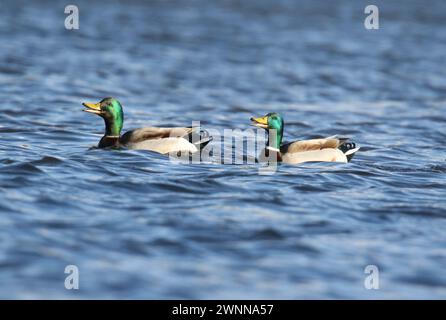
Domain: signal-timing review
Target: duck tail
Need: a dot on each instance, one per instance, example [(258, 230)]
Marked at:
[(203, 138), (348, 148)]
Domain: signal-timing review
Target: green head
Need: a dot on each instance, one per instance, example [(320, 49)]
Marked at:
[(270, 121), (111, 111)]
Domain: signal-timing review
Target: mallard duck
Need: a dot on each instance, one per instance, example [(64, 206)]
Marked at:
[(331, 149), (161, 140)]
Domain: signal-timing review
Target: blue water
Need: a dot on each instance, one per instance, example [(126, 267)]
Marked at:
[(138, 226)]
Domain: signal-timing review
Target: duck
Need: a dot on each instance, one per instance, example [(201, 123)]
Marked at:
[(330, 149), (160, 140)]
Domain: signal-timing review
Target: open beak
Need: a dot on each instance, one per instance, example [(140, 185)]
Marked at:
[(261, 122), (92, 107)]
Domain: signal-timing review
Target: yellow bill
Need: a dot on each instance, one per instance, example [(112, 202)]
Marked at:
[(261, 122), (92, 107)]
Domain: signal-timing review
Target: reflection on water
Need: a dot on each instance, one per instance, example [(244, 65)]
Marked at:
[(138, 226)]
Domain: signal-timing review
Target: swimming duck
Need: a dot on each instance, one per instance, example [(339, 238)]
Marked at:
[(161, 140), (331, 149)]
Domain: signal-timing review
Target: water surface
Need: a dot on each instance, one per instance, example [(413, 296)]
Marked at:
[(138, 226)]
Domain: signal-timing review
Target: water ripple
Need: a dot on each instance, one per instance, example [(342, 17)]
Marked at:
[(139, 226)]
